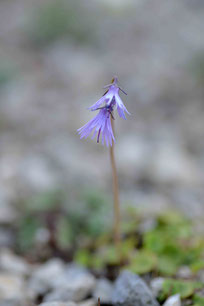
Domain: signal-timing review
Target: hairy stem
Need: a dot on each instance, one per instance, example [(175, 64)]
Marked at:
[(115, 193)]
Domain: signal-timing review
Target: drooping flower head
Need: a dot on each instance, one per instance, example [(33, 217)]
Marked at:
[(101, 123)]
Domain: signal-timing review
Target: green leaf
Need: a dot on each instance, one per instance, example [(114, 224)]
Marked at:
[(128, 227), (154, 241), (97, 262), (184, 288), (94, 199), (171, 218), (142, 262), (167, 266), (95, 225), (111, 255), (127, 247), (45, 201), (63, 233), (26, 233), (83, 257), (198, 265), (198, 300)]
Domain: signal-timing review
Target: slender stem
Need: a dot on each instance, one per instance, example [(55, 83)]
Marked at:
[(99, 302), (115, 193)]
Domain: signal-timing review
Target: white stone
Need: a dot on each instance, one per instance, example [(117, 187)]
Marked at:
[(44, 276), (184, 272), (156, 285), (12, 287), (173, 300), (7, 212), (103, 290), (12, 263), (74, 284), (58, 304)]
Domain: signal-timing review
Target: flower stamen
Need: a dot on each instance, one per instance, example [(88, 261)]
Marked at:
[(99, 132)]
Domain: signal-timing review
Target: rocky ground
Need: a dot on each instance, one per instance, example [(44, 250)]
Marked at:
[(154, 265), (56, 283)]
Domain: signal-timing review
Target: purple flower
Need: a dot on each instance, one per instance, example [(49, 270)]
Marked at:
[(100, 124), (112, 98)]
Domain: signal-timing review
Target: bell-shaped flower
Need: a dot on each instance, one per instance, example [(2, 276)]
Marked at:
[(112, 98), (101, 125)]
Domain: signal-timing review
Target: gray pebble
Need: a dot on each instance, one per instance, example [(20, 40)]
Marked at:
[(74, 284), (131, 290), (103, 290)]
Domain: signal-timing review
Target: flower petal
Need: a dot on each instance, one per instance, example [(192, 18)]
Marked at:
[(121, 113), (121, 106), (98, 103), (101, 123)]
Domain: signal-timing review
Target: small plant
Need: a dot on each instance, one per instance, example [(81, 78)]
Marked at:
[(102, 126), (69, 226), (160, 251)]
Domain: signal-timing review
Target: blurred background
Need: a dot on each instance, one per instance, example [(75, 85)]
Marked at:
[(55, 58), (55, 189)]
